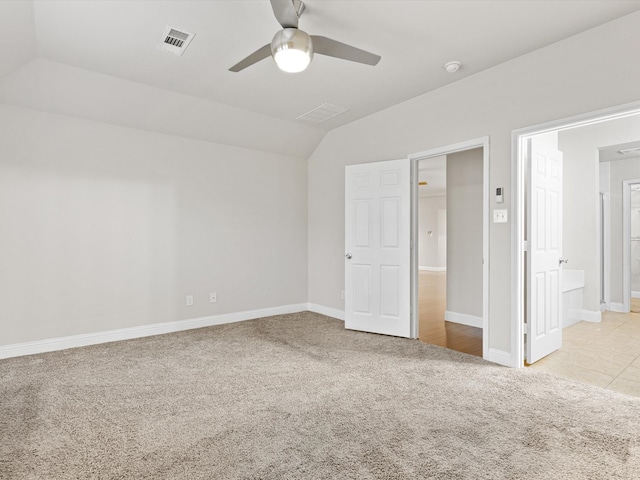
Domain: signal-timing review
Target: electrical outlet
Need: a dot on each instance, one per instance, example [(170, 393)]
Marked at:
[(189, 300), (213, 297), (499, 216)]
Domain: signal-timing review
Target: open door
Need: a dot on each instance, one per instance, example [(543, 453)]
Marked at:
[(544, 262), (377, 247)]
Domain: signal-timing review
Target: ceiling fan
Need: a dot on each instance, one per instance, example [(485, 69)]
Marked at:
[(292, 49)]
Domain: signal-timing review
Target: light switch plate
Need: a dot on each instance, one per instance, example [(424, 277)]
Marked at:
[(499, 216)]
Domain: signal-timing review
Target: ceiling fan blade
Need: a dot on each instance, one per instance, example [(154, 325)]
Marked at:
[(285, 12), (333, 48), (255, 57)]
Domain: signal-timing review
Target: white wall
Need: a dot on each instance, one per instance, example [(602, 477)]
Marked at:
[(107, 227), (432, 250), (580, 215), (581, 185), (464, 232), (564, 79)]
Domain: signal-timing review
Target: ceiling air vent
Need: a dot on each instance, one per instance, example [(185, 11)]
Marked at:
[(322, 113), (175, 41)]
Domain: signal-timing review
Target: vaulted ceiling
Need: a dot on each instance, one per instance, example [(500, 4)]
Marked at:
[(108, 48)]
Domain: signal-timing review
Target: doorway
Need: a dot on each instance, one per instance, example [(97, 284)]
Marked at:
[(450, 254), (599, 342), (381, 244), (586, 253)]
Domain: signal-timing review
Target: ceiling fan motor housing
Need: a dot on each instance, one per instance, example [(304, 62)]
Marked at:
[(292, 49)]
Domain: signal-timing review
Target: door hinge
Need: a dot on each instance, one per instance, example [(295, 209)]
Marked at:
[(526, 328), (525, 246)]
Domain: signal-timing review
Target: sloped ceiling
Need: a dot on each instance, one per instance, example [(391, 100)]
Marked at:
[(17, 36), (59, 88), (98, 59)]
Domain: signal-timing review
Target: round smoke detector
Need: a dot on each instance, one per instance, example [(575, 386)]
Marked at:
[(452, 67)]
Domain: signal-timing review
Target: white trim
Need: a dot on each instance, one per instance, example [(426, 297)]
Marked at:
[(482, 142), (454, 148), (415, 202), (432, 269), (518, 137), (518, 247), (617, 307), (500, 357), (635, 294), (83, 340), (591, 316), (606, 247), (328, 311), (463, 319)]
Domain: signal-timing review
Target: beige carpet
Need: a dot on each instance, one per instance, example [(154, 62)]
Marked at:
[(298, 397)]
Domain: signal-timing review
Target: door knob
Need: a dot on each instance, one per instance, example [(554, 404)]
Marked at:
[(563, 260), (348, 256)]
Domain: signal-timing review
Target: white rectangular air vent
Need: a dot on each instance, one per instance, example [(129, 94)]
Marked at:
[(323, 113), (175, 41)]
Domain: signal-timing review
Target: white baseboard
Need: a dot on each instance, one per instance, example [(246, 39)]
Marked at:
[(635, 294), (577, 315), (328, 311), (567, 322), (591, 316), (463, 318), (432, 269), (500, 357), (62, 343), (617, 307)]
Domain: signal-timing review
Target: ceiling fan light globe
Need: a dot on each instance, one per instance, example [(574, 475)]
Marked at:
[(292, 50), (292, 61)]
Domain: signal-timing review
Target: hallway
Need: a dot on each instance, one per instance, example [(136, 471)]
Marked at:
[(433, 329)]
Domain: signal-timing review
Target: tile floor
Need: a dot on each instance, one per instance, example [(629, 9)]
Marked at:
[(605, 354)]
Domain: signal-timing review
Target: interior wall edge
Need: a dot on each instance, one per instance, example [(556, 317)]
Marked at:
[(328, 311)]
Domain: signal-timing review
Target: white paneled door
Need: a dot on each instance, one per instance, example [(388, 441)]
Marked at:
[(544, 297), (377, 248)]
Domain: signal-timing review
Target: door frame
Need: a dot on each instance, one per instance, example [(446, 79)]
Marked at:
[(414, 158), (626, 242), (520, 184), (605, 251)]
